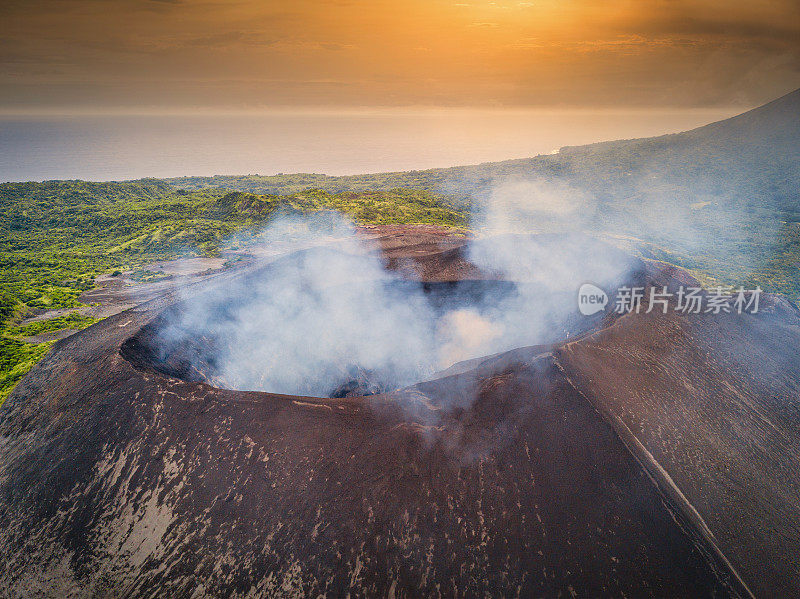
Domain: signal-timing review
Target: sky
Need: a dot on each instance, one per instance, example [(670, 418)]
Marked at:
[(183, 55)]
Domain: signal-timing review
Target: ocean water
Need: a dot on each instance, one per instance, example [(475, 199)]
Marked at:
[(119, 147)]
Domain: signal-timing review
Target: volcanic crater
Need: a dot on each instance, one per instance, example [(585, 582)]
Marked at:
[(429, 324), (568, 467), (190, 351)]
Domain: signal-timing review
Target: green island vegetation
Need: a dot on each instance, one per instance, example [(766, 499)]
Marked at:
[(73, 320), (58, 236), (722, 201)]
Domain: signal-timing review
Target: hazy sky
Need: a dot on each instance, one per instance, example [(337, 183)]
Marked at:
[(178, 54)]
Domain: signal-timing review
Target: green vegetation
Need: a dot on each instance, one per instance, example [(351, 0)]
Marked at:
[(73, 320), (17, 356), (10, 307), (58, 236), (16, 359)]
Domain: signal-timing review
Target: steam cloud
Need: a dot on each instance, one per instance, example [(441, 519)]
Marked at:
[(330, 319)]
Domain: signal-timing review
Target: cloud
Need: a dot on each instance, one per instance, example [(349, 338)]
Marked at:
[(584, 53), (219, 39), (722, 28)]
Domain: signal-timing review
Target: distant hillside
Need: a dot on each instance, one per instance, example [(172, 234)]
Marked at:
[(749, 161), (768, 136), (727, 194), (724, 198)]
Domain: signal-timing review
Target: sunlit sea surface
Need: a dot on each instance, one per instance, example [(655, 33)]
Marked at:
[(118, 147)]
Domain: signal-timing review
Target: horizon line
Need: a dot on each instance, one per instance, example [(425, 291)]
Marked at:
[(333, 110)]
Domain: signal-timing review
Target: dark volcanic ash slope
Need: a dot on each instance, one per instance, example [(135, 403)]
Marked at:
[(714, 400), (503, 480)]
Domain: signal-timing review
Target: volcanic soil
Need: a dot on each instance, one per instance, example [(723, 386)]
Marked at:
[(655, 455)]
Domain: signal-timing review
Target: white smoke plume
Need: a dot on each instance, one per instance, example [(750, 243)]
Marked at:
[(330, 319), (465, 334)]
